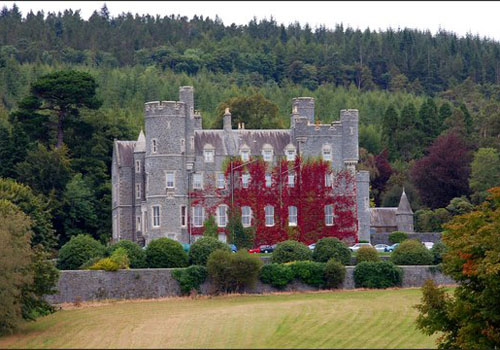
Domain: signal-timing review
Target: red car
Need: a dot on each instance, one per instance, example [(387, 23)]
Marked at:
[(254, 250)]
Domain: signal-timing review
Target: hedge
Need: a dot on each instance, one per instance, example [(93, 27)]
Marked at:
[(380, 274), (290, 250), (77, 251), (165, 252), (331, 247), (203, 247), (412, 252)]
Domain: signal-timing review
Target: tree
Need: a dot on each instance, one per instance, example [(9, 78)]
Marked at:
[(485, 172), (471, 317), (390, 123), (210, 227), (443, 174), (408, 137)]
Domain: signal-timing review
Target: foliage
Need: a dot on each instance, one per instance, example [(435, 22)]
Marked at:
[(331, 247), (15, 260), (106, 264), (380, 274), (118, 260), (309, 272), (334, 273), (241, 237), (427, 220), (470, 318), (232, 272), (485, 172), (210, 227), (165, 252), (203, 247), (412, 252), (366, 253), (77, 251), (277, 275), (190, 278), (397, 237), (290, 250), (135, 253), (438, 250)]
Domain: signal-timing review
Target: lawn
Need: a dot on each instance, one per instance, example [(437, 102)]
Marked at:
[(344, 319)]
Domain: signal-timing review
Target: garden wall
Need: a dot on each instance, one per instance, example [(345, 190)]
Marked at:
[(383, 238), (84, 285)]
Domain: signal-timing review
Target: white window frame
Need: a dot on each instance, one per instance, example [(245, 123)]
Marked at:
[(138, 225), (183, 215), (167, 173), (292, 215), (245, 154), (154, 146), (138, 191), (245, 176), (290, 153), (267, 154), (137, 166), (269, 180), (246, 217), (209, 155), (329, 215), (222, 219), (291, 180), (328, 179), (198, 219), (221, 180), (155, 222), (326, 153), (269, 213), (200, 175)]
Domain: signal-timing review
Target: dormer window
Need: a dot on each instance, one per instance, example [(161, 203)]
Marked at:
[(208, 153), (245, 153), (267, 153), (290, 154), (327, 153)]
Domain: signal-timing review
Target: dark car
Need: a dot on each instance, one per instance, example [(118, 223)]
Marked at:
[(266, 248)]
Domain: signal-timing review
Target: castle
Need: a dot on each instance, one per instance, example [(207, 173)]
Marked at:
[(153, 176)]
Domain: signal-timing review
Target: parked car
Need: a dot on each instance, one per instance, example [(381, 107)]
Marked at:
[(312, 246), (233, 248), (392, 247), (355, 247), (254, 250), (380, 247), (267, 248), (428, 245), (186, 247)]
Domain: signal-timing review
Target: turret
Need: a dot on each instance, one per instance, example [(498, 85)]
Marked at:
[(349, 119), (404, 214), (304, 107), (186, 95)]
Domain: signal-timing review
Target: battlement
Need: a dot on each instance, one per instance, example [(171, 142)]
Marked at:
[(349, 114), (164, 108)]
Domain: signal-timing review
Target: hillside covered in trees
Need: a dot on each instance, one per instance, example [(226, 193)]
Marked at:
[(429, 104)]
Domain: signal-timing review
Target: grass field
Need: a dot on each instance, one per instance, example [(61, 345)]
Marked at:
[(345, 319)]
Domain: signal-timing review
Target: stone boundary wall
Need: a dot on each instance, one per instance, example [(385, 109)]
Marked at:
[(383, 238), (85, 285)]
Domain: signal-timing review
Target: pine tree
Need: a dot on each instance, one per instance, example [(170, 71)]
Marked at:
[(389, 131)]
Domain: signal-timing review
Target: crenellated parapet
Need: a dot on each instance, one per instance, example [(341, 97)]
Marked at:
[(164, 108)]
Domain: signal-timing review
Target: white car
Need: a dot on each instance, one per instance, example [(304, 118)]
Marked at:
[(381, 247), (355, 247), (428, 245), (312, 246)]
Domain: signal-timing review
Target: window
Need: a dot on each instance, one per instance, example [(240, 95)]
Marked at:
[(198, 216), (245, 155), (268, 180), (292, 216), (183, 216), (327, 153), (137, 166), (138, 191), (221, 180), (197, 181), (245, 180), (328, 179), (191, 143), (269, 215), (246, 216), (183, 145), (290, 154), (267, 153), (208, 155), (329, 215), (156, 216), (170, 175), (154, 146), (137, 223), (222, 216), (291, 180)]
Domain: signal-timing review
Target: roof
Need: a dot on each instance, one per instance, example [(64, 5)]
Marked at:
[(383, 217), (140, 146), (404, 206), (125, 153)]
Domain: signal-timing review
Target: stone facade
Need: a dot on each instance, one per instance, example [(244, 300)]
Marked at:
[(387, 220), (151, 177)]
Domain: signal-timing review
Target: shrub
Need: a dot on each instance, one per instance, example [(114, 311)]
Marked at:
[(412, 252), (397, 237), (210, 227), (277, 275), (309, 272), (233, 271), (334, 274), (331, 247), (78, 251), (165, 252), (86, 265), (203, 247), (135, 253), (190, 278), (367, 253), (380, 274), (438, 249), (106, 264), (287, 251)]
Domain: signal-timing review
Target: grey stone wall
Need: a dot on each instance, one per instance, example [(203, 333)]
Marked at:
[(383, 238), (88, 285)]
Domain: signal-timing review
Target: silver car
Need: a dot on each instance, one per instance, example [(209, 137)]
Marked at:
[(355, 247), (381, 247)]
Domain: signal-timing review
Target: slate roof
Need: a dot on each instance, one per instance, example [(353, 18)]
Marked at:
[(125, 153), (383, 217), (404, 205)]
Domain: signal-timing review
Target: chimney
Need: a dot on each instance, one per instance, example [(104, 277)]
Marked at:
[(227, 120)]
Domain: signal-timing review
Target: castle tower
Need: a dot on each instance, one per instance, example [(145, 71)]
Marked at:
[(349, 119), (139, 188), (304, 107), (404, 214), (363, 204)]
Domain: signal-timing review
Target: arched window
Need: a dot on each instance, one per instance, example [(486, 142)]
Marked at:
[(245, 153), (267, 153), (290, 153), (269, 210)]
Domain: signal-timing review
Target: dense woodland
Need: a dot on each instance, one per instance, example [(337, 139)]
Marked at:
[(429, 104)]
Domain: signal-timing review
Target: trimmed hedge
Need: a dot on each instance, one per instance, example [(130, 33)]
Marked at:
[(203, 247), (367, 253), (309, 272), (412, 252), (165, 252), (136, 255), (277, 275), (290, 250), (334, 274), (438, 249), (397, 237), (77, 251), (190, 278), (381, 274), (331, 247)]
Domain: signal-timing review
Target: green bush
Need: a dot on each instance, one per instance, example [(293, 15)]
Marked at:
[(203, 247), (309, 272), (438, 249), (331, 247), (106, 264), (233, 271), (334, 273), (412, 252), (190, 278), (277, 275), (165, 252), (135, 253), (86, 265), (367, 253), (397, 237), (380, 274), (78, 251), (290, 250)]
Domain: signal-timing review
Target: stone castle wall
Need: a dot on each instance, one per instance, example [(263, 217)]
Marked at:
[(383, 238)]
